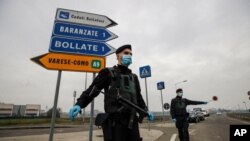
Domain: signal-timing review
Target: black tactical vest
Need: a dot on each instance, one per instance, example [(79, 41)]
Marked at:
[(180, 106), (123, 85)]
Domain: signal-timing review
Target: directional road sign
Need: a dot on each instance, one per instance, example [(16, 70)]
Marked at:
[(76, 46), (160, 86), (84, 18), (68, 62), (83, 32), (145, 71)]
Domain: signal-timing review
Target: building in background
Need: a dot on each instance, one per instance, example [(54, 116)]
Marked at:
[(28, 110), (6, 110), (18, 110), (32, 110)]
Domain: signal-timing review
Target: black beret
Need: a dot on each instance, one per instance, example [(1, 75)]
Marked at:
[(179, 90), (120, 49)]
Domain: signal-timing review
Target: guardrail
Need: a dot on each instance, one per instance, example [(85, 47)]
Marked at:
[(244, 116)]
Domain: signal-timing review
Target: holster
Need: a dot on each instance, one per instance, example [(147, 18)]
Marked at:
[(107, 127), (141, 117), (131, 119), (101, 119)]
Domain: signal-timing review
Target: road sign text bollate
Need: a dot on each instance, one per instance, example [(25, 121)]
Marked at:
[(72, 45)]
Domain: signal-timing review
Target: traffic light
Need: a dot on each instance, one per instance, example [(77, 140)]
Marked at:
[(248, 94)]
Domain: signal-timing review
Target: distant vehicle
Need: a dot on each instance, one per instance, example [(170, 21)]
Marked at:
[(205, 112), (197, 109), (196, 116), (218, 113), (200, 115)]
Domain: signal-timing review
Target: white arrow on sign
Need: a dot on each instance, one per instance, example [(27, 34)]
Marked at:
[(84, 18)]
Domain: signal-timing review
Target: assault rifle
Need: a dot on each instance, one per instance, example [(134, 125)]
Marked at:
[(126, 103)]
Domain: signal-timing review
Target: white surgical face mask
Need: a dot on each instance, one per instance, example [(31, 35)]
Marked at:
[(180, 94)]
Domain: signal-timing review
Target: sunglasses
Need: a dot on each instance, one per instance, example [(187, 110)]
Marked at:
[(127, 53)]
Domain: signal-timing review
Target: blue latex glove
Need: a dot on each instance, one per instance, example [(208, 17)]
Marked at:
[(74, 111), (150, 116), (174, 120)]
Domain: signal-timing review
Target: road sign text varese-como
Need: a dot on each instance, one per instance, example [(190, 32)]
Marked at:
[(83, 18), (145, 71), (82, 31), (68, 62), (75, 46)]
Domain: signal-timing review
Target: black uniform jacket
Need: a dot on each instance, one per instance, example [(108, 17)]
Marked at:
[(102, 81), (179, 104)]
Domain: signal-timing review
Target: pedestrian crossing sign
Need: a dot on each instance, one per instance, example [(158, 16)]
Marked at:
[(160, 86), (145, 71)]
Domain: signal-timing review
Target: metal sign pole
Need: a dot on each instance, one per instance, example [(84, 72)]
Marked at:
[(91, 116), (147, 99), (83, 113), (55, 106), (162, 106), (74, 95)]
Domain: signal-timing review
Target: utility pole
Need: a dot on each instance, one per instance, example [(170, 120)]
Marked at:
[(74, 95)]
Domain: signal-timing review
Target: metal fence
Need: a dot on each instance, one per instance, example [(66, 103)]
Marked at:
[(243, 115)]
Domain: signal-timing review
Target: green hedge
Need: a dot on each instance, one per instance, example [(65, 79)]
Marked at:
[(36, 121)]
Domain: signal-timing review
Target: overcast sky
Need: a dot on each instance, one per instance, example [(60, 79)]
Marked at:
[(206, 42)]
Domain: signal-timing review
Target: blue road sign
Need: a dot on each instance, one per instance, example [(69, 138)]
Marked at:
[(160, 86), (83, 32), (145, 71), (76, 46)]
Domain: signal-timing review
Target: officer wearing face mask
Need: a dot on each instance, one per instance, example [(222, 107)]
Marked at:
[(180, 115), (120, 123)]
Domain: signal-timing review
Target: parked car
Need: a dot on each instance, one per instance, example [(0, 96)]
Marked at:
[(197, 109), (205, 112), (200, 115), (219, 113), (196, 116)]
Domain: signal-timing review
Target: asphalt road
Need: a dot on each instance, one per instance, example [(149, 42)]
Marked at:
[(214, 128)]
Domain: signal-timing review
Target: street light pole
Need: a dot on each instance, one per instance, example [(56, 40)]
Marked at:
[(245, 104), (179, 83), (74, 95)]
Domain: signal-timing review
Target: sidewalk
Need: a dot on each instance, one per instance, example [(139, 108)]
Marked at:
[(81, 136)]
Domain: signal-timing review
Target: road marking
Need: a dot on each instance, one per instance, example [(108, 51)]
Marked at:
[(173, 137), (165, 125), (191, 132)]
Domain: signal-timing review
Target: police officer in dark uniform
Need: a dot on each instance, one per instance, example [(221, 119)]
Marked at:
[(121, 122), (180, 115)]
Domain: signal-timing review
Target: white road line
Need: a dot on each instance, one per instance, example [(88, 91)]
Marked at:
[(173, 137), (191, 132)]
